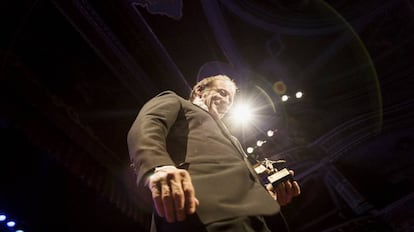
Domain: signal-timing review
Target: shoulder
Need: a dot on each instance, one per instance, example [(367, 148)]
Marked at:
[(169, 95), (167, 92), (166, 99)]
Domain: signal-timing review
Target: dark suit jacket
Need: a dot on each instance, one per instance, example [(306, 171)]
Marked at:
[(170, 130)]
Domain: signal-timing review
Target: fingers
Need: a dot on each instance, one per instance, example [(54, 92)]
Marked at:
[(190, 199), (270, 190), (287, 190), (155, 187), (295, 186), (296, 189), (178, 199), (173, 194), (167, 199), (281, 193)]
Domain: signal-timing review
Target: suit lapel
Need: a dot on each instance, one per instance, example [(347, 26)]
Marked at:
[(226, 132), (237, 144), (233, 140)]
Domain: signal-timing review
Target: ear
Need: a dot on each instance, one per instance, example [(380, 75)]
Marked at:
[(198, 90)]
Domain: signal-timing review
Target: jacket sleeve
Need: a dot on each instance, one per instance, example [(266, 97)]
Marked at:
[(148, 133)]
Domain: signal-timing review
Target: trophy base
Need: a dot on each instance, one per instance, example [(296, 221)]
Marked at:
[(279, 177)]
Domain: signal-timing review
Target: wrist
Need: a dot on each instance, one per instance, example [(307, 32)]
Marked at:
[(165, 168), (156, 170)]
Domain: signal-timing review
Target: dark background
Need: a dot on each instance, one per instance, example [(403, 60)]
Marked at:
[(75, 73)]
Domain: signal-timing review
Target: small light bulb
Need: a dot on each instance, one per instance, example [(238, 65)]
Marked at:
[(270, 133), (259, 143), (11, 223), (250, 150), (299, 94)]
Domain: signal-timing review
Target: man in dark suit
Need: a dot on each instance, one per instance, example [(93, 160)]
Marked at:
[(195, 171)]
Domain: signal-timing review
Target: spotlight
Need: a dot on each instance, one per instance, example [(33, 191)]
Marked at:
[(270, 133), (285, 98), (19, 231), (299, 94), (242, 113), (250, 150), (2, 217), (259, 143), (11, 223)]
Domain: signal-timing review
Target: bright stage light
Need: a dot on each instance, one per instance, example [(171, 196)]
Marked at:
[(11, 223), (259, 143), (250, 150), (285, 98), (299, 94), (241, 113), (270, 133)]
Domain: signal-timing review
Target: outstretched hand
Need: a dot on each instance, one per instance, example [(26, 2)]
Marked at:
[(285, 191), (173, 193)]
